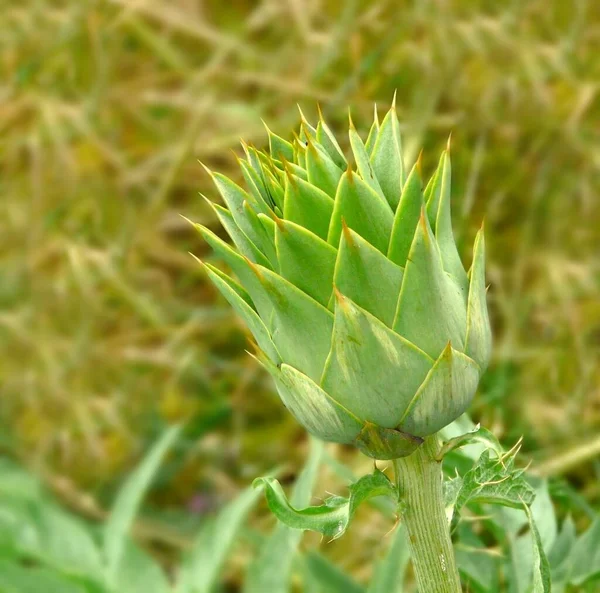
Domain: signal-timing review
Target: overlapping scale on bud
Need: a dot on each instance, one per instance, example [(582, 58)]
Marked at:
[(347, 274)]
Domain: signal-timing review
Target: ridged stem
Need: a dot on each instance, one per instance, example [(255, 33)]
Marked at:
[(419, 478)]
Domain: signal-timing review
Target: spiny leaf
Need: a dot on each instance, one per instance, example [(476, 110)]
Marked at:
[(492, 481)]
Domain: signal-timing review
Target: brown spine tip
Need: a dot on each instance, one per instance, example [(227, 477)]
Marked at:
[(279, 222), (264, 123), (206, 168), (320, 112), (349, 174), (254, 268), (419, 164), (339, 297), (347, 234), (350, 122)]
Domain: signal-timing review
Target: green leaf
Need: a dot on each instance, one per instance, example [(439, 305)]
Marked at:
[(478, 434), (559, 556), (372, 371), (235, 197), (444, 395), (242, 269), (256, 187), (255, 324), (280, 548), (431, 310), (265, 240), (329, 142), (245, 246), (363, 164), (362, 210), (443, 225), (406, 219), (492, 481), (128, 502), (478, 565), (279, 147), (541, 569), (327, 577), (321, 169), (306, 260), (389, 573), (15, 578), (300, 327), (373, 133), (478, 341), (140, 573), (386, 158), (367, 277), (332, 518), (585, 555), (318, 412), (307, 206), (201, 569)]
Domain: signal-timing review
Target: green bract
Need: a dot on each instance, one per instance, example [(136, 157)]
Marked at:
[(350, 281)]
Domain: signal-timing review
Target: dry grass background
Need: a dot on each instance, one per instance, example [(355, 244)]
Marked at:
[(108, 331)]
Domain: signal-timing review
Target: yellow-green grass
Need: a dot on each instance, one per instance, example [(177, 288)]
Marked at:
[(109, 330)]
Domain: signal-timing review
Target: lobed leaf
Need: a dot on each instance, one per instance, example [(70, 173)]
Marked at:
[(332, 518)]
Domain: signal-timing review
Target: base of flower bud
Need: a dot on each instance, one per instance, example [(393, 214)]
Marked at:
[(386, 443)]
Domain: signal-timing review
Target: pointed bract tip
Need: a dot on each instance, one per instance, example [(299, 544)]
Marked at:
[(347, 234), (375, 115), (340, 298), (206, 168), (419, 164), (349, 174), (449, 142), (350, 122), (394, 99), (302, 116), (264, 123), (188, 220), (447, 353), (279, 222), (320, 112), (254, 268), (198, 260)]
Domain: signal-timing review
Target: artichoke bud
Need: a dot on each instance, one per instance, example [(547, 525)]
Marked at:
[(349, 279)]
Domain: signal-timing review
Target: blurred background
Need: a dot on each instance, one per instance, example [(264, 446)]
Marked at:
[(109, 332)]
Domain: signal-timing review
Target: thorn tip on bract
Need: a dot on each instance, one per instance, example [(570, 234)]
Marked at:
[(350, 122), (279, 222), (394, 99), (320, 112), (449, 142), (254, 268), (347, 234), (206, 168), (419, 164)]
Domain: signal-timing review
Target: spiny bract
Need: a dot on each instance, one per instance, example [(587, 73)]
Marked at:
[(350, 281)]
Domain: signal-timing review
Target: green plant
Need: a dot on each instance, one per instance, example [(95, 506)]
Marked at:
[(43, 547), (353, 288)]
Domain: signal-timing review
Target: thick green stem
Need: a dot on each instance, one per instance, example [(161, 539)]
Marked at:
[(419, 479)]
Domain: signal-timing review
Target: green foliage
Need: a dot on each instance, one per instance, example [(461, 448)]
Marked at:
[(333, 517)]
